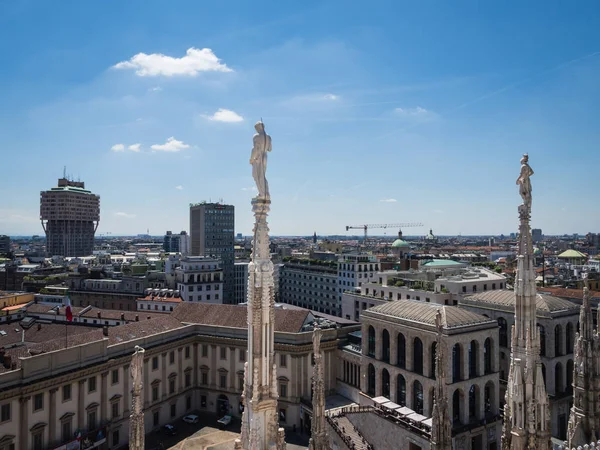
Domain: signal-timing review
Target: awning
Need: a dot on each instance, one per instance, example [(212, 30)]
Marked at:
[(380, 400)]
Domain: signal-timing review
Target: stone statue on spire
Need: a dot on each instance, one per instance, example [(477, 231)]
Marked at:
[(319, 439), (258, 159), (524, 182)]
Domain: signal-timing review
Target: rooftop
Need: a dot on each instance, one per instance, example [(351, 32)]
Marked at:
[(572, 254), (425, 313)]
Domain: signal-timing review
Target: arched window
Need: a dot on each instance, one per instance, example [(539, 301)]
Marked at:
[(401, 351), (456, 363), (473, 402), (371, 380), (400, 390), (488, 398), (542, 331), (569, 338), (456, 399), (557, 340), (417, 397), (473, 350), (569, 386), (371, 343), (418, 356), (432, 359), (487, 356), (385, 343), (385, 383), (559, 387), (503, 331)]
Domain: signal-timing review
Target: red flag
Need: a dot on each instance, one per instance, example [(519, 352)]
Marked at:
[(68, 311)]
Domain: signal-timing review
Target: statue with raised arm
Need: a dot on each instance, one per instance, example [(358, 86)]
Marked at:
[(258, 159), (524, 182)]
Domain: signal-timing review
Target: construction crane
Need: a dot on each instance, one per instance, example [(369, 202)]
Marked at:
[(382, 225)]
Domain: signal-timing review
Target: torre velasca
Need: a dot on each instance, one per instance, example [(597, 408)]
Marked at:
[(70, 215)]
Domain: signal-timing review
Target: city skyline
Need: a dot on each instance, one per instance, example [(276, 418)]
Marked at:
[(394, 113)]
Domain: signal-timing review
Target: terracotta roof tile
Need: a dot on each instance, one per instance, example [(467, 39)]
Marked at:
[(506, 300)]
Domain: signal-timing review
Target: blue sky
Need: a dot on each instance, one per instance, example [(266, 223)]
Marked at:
[(389, 111)]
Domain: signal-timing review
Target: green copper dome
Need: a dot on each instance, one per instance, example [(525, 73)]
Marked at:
[(399, 243)]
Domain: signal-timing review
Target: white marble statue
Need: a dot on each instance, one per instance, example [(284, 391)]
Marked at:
[(524, 182), (258, 159)]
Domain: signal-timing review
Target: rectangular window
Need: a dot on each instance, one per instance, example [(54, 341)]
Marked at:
[(203, 401), (115, 438), (38, 402), (242, 355), (66, 392), (172, 386), (223, 352), (154, 393), (204, 350), (188, 379), (115, 376), (92, 420), (38, 441), (91, 384), (282, 415), (188, 403), (241, 383), (115, 410), (172, 357), (155, 363), (283, 390), (67, 434), (207, 296), (187, 352), (5, 412), (204, 378), (155, 418), (173, 410), (223, 381), (283, 360)]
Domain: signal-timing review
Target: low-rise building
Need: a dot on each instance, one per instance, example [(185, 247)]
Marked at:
[(159, 300), (309, 285), (200, 279)]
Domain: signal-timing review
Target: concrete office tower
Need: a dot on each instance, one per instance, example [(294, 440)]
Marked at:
[(211, 230), (70, 215)]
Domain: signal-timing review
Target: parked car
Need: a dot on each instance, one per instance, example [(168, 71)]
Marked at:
[(170, 430), (224, 421), (191, 418)]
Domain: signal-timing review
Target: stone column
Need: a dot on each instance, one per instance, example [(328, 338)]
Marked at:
[(232, 374), (80, 405), (180, 373), (148, 391), (165, 381), (103, 397), (213, 366), (393, 349), (393, 385), (464, 353), (378, 344), (295, 385), (52, 418), (195, 360), (481, 410), (126, 390), (23, 422)]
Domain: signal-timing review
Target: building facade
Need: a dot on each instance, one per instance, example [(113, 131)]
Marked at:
[(354, 270), (177, 243), (212, 234), (200, 279), (70, 215), (309, 286), (240, 294), (4, 244)]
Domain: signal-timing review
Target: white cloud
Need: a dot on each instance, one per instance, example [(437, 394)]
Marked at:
[(172, 145), (118, 148), (155, 89), (125, 215), (135, 147), (253, 188), (179, 188), (157, 64), (388, 200), (225, 115), (413, 112), (331, 97)]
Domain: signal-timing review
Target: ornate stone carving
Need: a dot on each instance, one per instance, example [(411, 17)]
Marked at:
[(319, 439), (136, 419)]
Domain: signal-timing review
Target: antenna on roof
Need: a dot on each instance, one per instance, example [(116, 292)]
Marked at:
[(64, 171)]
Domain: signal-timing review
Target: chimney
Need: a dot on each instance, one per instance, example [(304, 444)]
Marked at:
[(7, 361), (148, 317), (137, 318), (123, 317), (105, 330), (99, 315), (39, 326), (2, 354)]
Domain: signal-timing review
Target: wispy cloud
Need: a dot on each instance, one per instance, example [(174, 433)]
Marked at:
[(417, 112), (314, 98), (388, 200), (118, 148), (179, 188), (157, 64), (252, 188), (135, 147), (224, 115), (155, 89), (172, 145), (125, 215)]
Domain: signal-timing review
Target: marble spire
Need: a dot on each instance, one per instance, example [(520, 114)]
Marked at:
[(136, 419), (527, 410), (260, 421), (441, 426), (319, 439), (584, 421)]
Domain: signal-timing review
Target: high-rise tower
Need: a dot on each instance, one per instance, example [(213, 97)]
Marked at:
[(584, 422), (527, 410), (211, 231), (70, 215)]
